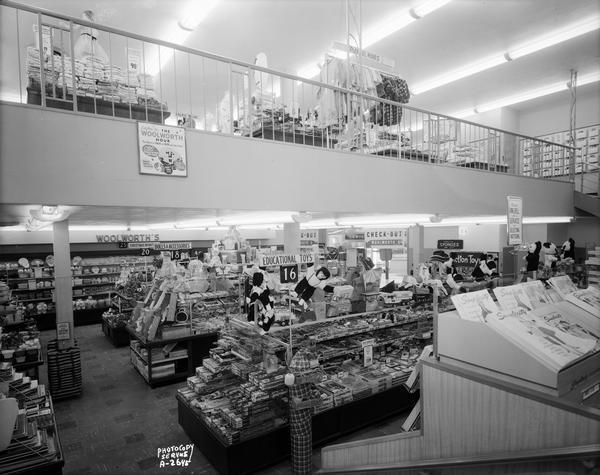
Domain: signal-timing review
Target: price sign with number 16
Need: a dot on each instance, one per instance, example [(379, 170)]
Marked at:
[(288, 274)]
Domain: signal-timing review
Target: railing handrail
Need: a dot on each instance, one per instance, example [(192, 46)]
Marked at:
[(273, 72)]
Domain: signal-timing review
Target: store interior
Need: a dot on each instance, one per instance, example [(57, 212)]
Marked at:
[(275, 237)]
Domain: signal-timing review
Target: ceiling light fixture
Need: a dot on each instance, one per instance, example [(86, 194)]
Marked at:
[(106, 227), (384, 220), (195, 12), (391, 24), (50, 213), (533, 45), (18, 227)]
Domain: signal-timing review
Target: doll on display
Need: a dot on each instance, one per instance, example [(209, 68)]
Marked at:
[(260, 303), (549, 254), (533, 256), (305, 289), (568, 249), (481, 270)]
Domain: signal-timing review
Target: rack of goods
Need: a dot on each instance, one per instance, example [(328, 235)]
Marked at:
[(34, 446), (237, 402), (592, 265), (22, 349), (526, 363), (30, 282)]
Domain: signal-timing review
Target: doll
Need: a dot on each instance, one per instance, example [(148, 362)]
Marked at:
[(550, 254), (260, 303), (312, 280), (481, 270), (533, 256), (568, 249)]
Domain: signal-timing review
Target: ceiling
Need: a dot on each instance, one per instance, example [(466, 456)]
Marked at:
[(294, 33)]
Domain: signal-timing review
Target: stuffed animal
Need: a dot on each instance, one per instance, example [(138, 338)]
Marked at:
[(481, 270), (264, 314), (568, 249), (533, 256), (312, 280), (550, 254)]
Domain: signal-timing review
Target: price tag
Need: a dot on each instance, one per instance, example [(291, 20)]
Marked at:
[(368, 355), (123, 245), (145, 251), (176, 254), (288, 274)]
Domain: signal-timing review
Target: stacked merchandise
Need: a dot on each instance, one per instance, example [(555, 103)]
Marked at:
[(20, 347), (33, 66), (394, 89), (64, 370), (462, 153), (592, 264), (34, 443)]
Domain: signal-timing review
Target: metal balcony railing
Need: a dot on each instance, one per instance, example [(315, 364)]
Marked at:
[(85, 67)]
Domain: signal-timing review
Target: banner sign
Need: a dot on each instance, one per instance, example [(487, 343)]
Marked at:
[(465, 261), (159, 246), (266, 260), (161, 150), (308, 238), (515, 220), (450, 244), (386, 237)]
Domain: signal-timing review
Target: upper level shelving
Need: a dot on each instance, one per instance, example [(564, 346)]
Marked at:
[(296, 110)]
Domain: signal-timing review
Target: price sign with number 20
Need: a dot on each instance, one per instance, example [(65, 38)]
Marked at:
[(288, 274)]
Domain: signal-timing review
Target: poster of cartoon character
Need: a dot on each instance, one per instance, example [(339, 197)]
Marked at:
[(162, 150)]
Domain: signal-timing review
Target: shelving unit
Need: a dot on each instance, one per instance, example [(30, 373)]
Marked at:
[(592, 266), (236, 404), (188, 350)]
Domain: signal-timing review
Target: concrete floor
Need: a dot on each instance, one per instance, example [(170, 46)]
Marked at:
[(118, 423)]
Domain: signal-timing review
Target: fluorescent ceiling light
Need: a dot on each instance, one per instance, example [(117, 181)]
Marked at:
[(110, 227), (555, 37), (319, 224), (384, 220), (197, 224), (391, 24), (270, 227), (547, 219), (195, 12), (459, 73), (267, 218), (13, 228)]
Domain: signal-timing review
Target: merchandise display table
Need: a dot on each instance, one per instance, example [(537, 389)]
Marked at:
[(272, 447), (119, 336), (164, 361), (297, 136), (99, 106)]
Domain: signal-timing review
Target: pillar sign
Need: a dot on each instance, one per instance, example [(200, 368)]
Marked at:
[(514, 220)]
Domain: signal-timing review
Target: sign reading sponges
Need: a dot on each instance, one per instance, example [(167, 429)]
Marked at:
[(266, 260), (162, 150)]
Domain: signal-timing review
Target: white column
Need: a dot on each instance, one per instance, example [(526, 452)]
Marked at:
[(415, 247), (291, 238), (63, 280)]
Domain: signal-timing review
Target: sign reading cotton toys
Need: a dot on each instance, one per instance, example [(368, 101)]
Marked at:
[(515, 220), (162, 150)]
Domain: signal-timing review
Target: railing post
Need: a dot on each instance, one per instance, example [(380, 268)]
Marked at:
[(41, 55), (73, 75)]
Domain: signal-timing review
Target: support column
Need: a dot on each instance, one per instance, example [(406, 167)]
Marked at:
[(415, 247), (63, 279), (291, 238)]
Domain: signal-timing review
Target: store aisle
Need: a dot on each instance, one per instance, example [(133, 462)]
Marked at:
[(119, 422)]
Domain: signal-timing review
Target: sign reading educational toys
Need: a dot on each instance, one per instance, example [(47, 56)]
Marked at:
[(266, 260), (515, 220), (162, 150)]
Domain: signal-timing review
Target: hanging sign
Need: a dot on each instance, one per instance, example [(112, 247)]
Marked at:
[(161, 150), (266, 260), (386, 238), (450, 244), (288, 274), (514, 220), (308, 238)]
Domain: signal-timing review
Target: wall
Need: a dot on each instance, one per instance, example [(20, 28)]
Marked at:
[(546, 119), (57, 157)]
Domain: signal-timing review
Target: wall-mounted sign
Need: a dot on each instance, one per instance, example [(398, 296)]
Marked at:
[(161, 150), (127, 238), (465, 261), (63, 330), (159, 246), (450, 244), (265, 260), (514, 220)]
